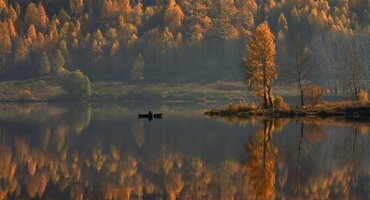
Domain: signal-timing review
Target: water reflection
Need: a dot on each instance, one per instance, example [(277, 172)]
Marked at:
[(261, 161), (78, 152)]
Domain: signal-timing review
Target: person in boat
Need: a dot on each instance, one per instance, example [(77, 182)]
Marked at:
[(150, 113)]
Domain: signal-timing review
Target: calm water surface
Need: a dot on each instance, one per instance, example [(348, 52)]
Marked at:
[(105, 152)]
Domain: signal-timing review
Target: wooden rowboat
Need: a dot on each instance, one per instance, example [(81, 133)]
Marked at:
[(150, 116)]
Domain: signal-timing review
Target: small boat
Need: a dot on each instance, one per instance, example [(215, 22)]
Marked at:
[(150, 116)]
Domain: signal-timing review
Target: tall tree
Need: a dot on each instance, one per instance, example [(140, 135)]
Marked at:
[(2, 5), (282, 26), (43, 18), (22, 51), (353, 63), (5, 45), (76, 6), (303, 64), (173, 16), (137, 72), (32, 15), (12, 32), (261, 69), (31, 33), (58, 60), (45, 66)]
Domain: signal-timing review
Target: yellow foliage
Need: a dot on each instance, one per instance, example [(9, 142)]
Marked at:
[(314, 94), (173, 15), (232, 107), (363, 96), (279, 103), (260, 62)]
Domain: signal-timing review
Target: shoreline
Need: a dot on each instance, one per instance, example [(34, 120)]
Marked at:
[(346, 109)]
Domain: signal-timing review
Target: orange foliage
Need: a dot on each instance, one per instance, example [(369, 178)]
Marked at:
[(260, 164), (314, 94), (173, 15), (260, 63), (363, 96)]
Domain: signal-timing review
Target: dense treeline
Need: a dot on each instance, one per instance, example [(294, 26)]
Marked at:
[(160, 40)]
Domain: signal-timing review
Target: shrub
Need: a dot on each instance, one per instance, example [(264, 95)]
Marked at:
[(254, 106), (279, 102), (232, 107), (363, 96), (24, 95), (243, 106), (77, 85), (61, 71), (313, 94)]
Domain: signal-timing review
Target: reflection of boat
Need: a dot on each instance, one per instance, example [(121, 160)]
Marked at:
[(150, 116)]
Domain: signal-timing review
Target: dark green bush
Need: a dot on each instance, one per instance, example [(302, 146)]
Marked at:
[(77, 85)]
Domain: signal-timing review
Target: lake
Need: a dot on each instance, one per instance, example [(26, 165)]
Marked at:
[(105, 152)]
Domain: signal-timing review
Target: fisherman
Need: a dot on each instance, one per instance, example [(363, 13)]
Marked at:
[(150, 113)]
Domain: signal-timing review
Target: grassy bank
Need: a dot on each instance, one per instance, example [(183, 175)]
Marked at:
[(349, 109), (46, 89), (117, 91), (38, 90)]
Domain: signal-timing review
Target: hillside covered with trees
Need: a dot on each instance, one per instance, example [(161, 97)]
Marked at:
[(182, 40)]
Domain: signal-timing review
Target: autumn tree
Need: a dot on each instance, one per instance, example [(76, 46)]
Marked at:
[(173, 16), (353, 64), (137, 72), (261, 69), (43, 18), (31, 33), (137, 13), (63, 47), (45, 66), (5, 43), (32, 15), (282, 26), (21, 52), (314, 94), (2, 5), (303, 65), (58, 60), (76, 6)]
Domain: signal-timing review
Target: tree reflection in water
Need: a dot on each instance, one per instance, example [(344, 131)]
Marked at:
[(69, 154), (260, 163)]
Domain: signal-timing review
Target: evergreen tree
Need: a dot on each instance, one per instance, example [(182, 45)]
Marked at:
[(58, 60), (5, 45), (173, 16), (45, 66), (44, 20), (22, 51), (31, 33), (32, 15), (137, 72)]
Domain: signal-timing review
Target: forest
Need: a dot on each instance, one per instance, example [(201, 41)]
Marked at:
[(183, 40)]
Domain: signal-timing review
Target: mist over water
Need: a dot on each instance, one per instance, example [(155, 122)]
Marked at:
[(105, 152)]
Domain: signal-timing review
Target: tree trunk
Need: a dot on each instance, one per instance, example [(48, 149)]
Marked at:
[(265, 100), (265, 92), (3, 55), (270, 99), (355, 88), (301, 91)]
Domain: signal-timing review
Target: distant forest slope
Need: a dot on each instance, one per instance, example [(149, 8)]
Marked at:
[(179, 40)]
